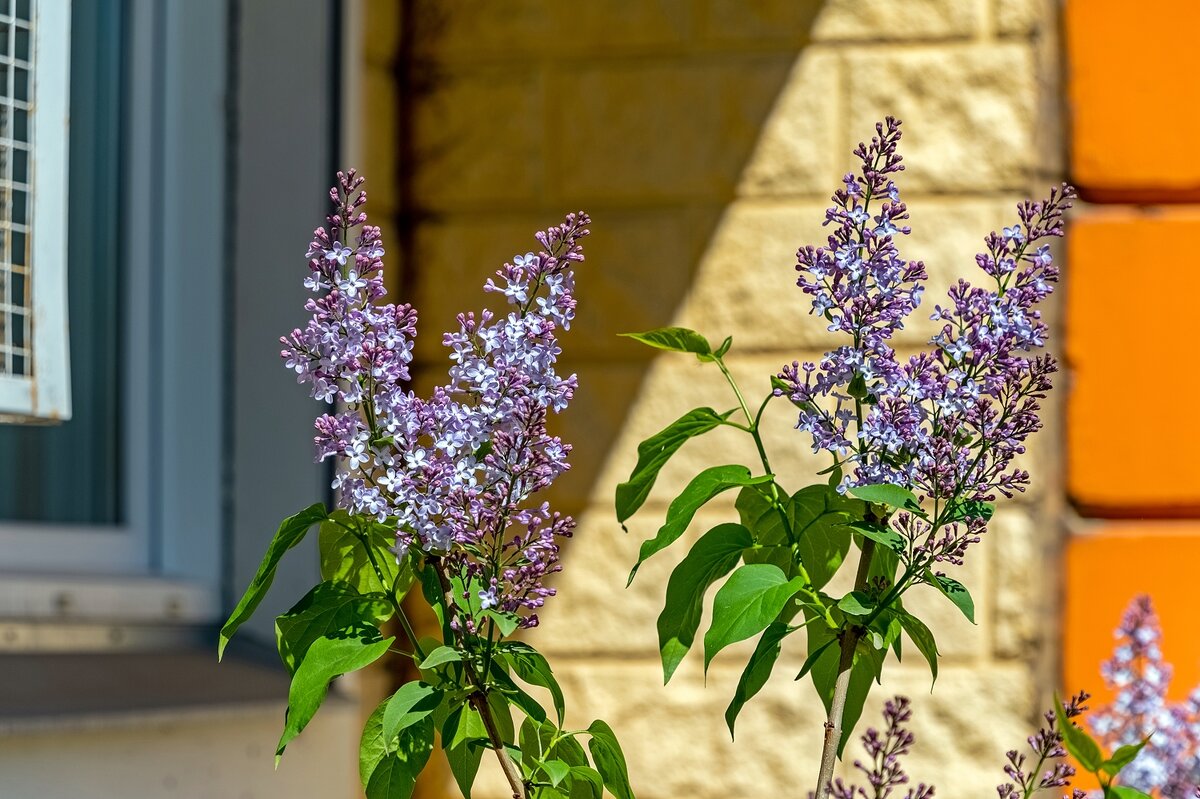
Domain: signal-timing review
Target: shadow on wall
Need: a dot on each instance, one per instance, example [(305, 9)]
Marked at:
[(513, 114), (655, 123)]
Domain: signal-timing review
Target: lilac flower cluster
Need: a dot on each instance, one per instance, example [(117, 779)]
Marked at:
[(1170, 763), (945, 423), (885, 774), (452, 473), (1049, 754), (864, 289)]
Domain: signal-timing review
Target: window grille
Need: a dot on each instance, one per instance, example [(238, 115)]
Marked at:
[(34, 75)]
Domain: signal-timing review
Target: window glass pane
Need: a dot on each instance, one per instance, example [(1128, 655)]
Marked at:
[(69, 473)]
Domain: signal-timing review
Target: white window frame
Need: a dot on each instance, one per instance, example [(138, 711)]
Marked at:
[(170, 541), (45, 394)]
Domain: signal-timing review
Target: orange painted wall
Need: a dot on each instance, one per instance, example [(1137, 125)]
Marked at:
[(1133, 330), (1134, 111)]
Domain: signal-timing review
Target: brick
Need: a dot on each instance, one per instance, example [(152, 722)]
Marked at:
[(969, 112), (754, 23), (478, 28), (474, 30), (1117, 366), (1023, 17), (1021, 611), (1131, 128), (796, 151), (652, 131), (1105, 569), (882, 20), (477, 139)]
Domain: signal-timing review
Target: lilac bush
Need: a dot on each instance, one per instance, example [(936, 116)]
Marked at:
[(440, 492), (919, 447)]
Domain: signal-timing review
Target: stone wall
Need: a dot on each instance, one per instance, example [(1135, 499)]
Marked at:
[(704, 137)]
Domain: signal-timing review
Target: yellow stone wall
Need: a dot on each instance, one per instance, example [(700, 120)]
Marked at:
[(704, 137)]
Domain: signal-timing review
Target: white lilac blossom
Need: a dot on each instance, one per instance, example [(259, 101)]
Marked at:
[(946, 423), (452, 473), (1170, 763)]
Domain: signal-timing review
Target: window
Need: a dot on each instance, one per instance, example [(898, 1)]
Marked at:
[(125, 497), (34, 59)]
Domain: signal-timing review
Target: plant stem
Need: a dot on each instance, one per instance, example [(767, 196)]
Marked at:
[(841, 687), (479, 699), (391, 593)]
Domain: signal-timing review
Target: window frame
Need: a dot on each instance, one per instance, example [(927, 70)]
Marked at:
[(45, 394), (172, 410)]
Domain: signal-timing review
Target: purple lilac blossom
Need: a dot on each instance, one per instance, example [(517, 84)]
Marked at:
[(946, 423), (1049, 754), (885, 774), (1170, 763), (452, 474)]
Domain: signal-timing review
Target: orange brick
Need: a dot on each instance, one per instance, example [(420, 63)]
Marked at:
[(1104, 572), (1131, 83), (1132, 435)]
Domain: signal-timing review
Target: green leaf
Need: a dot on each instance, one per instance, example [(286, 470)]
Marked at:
[(290, 533), (971, 509), (857, 603), (372, 747), (556, 771), (567, 749), (586, 783), (1078, 743), (506, 622), (955, 591), (532, 667), (411, 703), (609, 760), (344, 557), (511, 692), (813, 657), (1125, 792), (880, 534), (757, 670), (703, 487), (891, 495), (922, 637), (327, 658), (724, 348), (441, 656), (431, 589), (654, 452), (759, 515), (464, 738), (329, 610), (1122, 757), (675, 339), (819, 514), (712, 557), (396, 775), (748, 601)]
